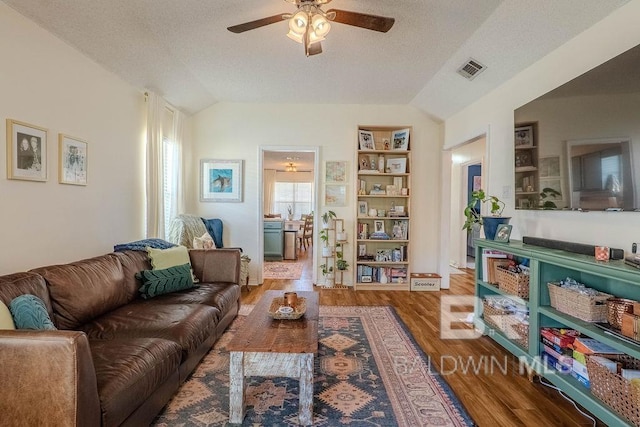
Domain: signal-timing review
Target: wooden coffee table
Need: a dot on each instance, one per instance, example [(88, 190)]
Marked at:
[(265, 347)]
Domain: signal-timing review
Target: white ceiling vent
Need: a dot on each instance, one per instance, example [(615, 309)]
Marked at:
[(470, 69)]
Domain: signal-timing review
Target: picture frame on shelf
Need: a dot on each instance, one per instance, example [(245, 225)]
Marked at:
[(400, 140), (221, 180), (26, 151), (397, 165), (72, 160), (523, 159), (363, 208), (378, 226), (503, 232), (362, 250), (335, 195), (365, 137), (363, 162), (335, 171), (523, 137)]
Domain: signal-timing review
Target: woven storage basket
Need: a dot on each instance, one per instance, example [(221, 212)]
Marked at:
[(615, 308), (507, 323), (513, 283), (585, 307), (617, 392)]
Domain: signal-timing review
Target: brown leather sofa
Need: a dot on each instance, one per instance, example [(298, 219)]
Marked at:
[(116, 359)]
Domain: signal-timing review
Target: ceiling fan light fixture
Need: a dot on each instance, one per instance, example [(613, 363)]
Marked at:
[(320, 25), (291, 168)]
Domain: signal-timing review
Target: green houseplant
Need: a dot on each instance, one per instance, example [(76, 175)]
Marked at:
[(327, 273), (473, 218), (327, 217), (341, 263)]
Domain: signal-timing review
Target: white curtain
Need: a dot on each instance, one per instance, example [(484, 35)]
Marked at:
[(269, 177), (154, 175), (164, 165)]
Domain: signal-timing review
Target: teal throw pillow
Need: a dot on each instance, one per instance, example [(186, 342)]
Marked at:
[(164, 281), (29, 312)]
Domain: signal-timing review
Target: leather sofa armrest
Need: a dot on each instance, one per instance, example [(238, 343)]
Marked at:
[(216, 265), (47, 378)]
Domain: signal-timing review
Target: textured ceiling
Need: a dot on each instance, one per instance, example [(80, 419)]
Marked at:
[(182, 50)]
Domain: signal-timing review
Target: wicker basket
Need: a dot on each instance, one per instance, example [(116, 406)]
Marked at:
[(585, 307), (615, 308), (614, 390), (513, 283), (507, 323)]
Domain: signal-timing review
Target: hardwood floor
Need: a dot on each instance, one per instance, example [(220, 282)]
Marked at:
[(481, 373)]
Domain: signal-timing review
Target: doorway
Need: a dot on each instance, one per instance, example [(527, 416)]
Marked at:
[(289, 166), (467, 174)]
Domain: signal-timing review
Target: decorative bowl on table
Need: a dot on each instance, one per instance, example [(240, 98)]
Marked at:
[(278, 309)]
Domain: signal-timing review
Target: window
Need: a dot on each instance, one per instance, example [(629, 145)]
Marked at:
[(170, 182), (297, 195)]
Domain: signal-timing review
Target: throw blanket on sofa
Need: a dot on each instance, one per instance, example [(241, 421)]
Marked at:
[(184, 228), (141, 245), (214, 228)]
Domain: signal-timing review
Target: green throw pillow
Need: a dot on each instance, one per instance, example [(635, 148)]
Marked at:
[(165, 258), (29, 312), (164, 281), (6, 320)]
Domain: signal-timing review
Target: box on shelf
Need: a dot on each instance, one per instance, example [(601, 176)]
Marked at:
[(425, 282)]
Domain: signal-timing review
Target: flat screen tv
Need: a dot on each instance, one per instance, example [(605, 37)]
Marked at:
[(588, 139)]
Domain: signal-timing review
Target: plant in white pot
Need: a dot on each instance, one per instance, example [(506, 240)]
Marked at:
[(489, 222), (327, 251), (327, 273), (341, 263), (327, 217)]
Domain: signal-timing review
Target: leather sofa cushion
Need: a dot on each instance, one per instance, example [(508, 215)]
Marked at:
[(14, 285), (84, 290), (133, 262), (223, 296), (128, 371), (189, 325)]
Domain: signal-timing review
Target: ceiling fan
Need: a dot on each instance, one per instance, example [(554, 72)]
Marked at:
[(310, 24)]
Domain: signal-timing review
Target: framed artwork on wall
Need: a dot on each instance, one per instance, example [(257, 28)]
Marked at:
[(26, 151), (335, 171), (335, 195), (72, 160), (221, 180)]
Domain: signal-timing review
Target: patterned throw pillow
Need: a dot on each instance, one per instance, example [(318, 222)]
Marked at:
[(6, 321), (164, 281), (29, 312), (204, 242)]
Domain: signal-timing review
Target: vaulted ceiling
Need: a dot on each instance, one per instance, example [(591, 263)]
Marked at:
[(182, 49)]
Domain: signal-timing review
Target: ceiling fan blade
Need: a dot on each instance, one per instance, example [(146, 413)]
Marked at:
[(363, 20), (315, 49), (252, 25)]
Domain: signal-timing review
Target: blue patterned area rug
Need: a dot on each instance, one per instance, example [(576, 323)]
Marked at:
[(368, 372)]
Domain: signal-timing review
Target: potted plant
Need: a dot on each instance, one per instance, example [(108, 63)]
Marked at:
[(341, 263), (324, 237), (327, 273), (491, 222), (551, 193), (327, 217)]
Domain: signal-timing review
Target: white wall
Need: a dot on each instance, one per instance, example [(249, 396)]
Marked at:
[(236, 131), (608, 38), (46, 83)]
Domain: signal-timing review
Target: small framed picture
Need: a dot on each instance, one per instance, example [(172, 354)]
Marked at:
[(26, 151), (363, 208), (366, 140), (400, 139), (398, 165), (378, 226), (72, 160), (362, 250), (221, 180), (523, 159), (524, 136), (502, 233)]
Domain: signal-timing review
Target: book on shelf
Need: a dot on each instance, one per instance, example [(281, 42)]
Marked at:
[(591, 346)]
